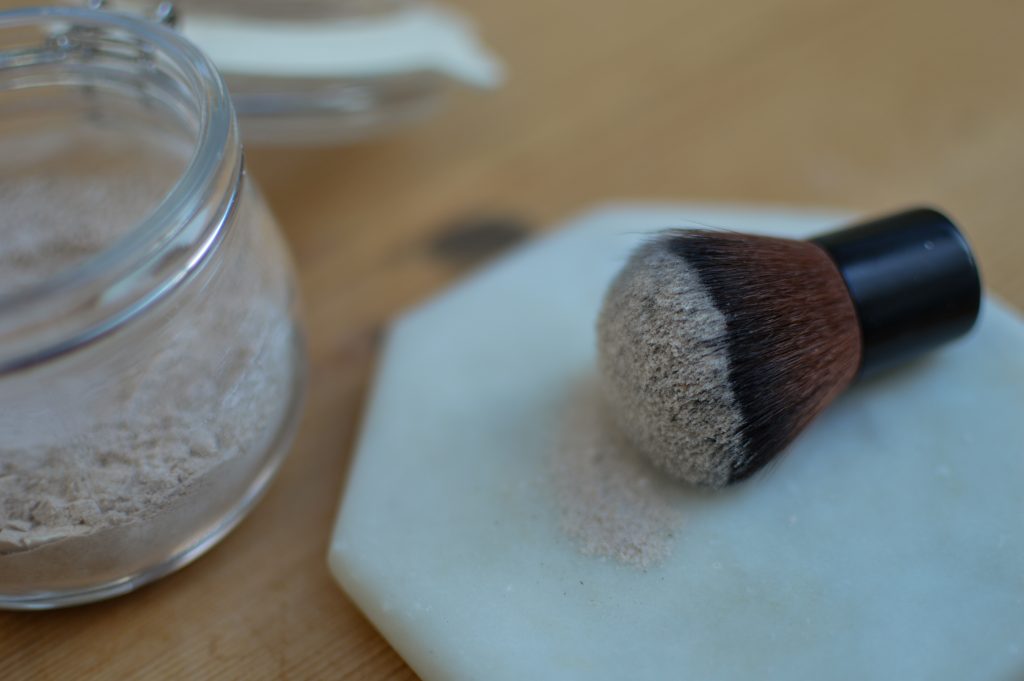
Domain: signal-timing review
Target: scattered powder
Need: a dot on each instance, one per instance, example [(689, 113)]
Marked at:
[(614, 503), (128, 451)]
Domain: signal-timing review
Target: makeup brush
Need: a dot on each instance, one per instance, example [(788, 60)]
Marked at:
[(716, 348)]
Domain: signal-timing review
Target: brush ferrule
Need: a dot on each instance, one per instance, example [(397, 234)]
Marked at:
[(913, 281)]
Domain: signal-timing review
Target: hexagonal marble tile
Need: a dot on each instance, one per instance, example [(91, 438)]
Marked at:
[(886, 544)]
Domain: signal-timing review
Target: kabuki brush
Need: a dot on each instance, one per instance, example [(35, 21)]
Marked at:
[(717, 349)]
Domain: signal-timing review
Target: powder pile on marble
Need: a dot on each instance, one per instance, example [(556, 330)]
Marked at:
[(614, 503)]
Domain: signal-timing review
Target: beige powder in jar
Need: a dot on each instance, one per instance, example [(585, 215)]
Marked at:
[(172, 438)]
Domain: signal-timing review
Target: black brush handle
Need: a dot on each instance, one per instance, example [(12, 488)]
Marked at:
[(913, 280)]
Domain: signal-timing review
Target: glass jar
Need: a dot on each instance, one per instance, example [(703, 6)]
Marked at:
[(151, 355)]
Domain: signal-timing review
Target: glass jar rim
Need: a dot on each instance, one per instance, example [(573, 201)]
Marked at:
[(215, 167)]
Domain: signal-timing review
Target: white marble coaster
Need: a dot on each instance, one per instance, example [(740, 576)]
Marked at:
[(888, 542)]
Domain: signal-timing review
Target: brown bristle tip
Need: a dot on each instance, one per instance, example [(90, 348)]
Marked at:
[(716, 349)]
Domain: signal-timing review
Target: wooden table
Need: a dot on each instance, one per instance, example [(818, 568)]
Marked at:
[(867, 105)]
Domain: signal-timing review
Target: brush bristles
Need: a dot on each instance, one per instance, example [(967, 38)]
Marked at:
[(719, 348)]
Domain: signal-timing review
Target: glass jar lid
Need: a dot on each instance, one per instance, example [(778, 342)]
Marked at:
[(330, 71)]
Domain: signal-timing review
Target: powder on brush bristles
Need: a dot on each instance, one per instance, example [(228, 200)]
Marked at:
[(716, 349)]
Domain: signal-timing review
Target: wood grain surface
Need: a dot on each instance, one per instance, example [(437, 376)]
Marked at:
[(867, 105)]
